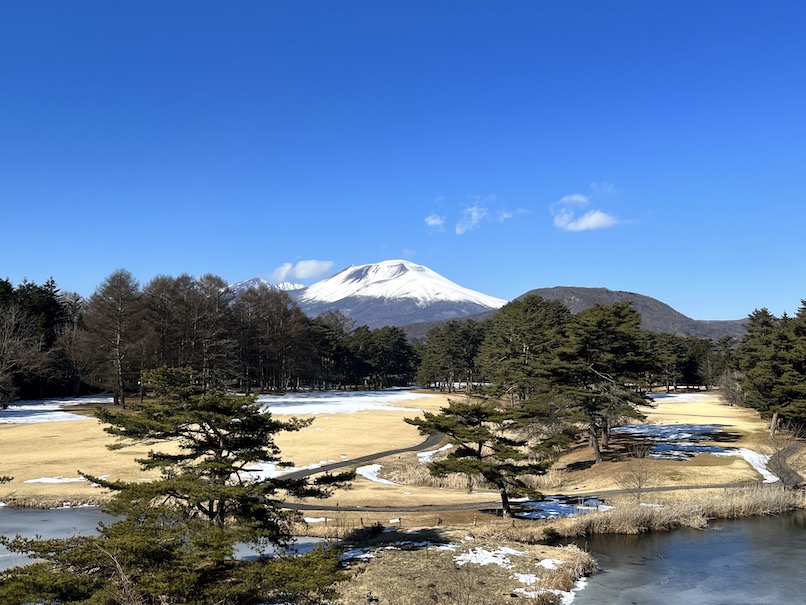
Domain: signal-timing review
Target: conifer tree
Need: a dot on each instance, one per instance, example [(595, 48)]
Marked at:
[(176, 540), (488, 441)]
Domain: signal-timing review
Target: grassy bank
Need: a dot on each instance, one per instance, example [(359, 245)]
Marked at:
[(450, 567)]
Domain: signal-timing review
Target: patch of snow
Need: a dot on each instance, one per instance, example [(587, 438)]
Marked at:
[(549, 563), (526, 578), (338, 402), (482, 556), (260, 471), (678, 397), (56, 480), (395, 520), (681, 441), (370, 472), (755, 459), (395, 279), (316, 519), (426, 457), (357, 553)]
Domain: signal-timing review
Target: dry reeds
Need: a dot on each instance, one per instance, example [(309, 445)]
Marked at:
[(691, 511)]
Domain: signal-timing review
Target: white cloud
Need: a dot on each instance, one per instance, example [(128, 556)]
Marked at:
[(576, 199), (435, 222), (304, 269), (408, 253), (471, 217), (593, 219), (280, 274), (565, 215)]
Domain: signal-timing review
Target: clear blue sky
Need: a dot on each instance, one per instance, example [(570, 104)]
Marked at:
[(655, 147)]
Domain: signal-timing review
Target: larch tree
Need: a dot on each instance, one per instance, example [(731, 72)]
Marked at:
[(112, 317)]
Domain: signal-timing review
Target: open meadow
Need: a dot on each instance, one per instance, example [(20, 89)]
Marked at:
[(44, 458)]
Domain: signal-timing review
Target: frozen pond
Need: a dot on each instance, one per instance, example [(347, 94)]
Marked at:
[(735, 562)]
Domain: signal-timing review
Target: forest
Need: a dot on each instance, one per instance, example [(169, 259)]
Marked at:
[(55, 343)]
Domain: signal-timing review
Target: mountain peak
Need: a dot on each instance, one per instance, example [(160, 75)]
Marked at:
[(394, 279), (256, 282)]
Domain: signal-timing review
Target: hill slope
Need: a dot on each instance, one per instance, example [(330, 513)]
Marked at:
[(656, 316)]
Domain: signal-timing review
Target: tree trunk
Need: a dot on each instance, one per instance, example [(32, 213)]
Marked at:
[(506, 509), (594, 441), (774, 423)]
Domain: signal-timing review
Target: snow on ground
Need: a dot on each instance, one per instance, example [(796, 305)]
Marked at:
[(47, 410), (482, 556), (56, 480), (269, 470), (755, 459), (682, 441), (427, 457), (338, 402), (370, 472), (680, 397), (303, 403)]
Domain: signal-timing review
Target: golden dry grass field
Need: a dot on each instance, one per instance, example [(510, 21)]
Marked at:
[(60, 449)]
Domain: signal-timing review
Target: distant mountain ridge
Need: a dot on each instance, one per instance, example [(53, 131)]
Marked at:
[(240, 287), (656, 316), (402, 293)]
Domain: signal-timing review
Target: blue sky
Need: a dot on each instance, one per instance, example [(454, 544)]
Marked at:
[(658, 148)]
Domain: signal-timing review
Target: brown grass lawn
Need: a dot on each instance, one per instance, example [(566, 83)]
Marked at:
[(61, 449)]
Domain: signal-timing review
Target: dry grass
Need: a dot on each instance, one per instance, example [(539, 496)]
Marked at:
[(409, 471), (683, 509), (416, 573)]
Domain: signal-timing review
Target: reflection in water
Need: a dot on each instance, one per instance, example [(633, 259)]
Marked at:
[(741, 562), (83, 521)]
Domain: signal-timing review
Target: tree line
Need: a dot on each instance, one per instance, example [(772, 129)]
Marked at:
[(57, 344)]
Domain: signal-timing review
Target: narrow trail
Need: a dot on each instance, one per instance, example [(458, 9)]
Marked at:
[(431, 442)]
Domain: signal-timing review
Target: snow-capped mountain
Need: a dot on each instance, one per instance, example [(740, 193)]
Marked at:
[(395, 292), (256, 282)]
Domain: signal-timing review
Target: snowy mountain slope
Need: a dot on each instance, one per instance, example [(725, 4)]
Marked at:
[(394, 280), (241, 286)]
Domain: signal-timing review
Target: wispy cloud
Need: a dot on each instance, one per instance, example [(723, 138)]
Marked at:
[(566, 215), (470, 219), (304, 269), (435, 222), (606, 188)]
